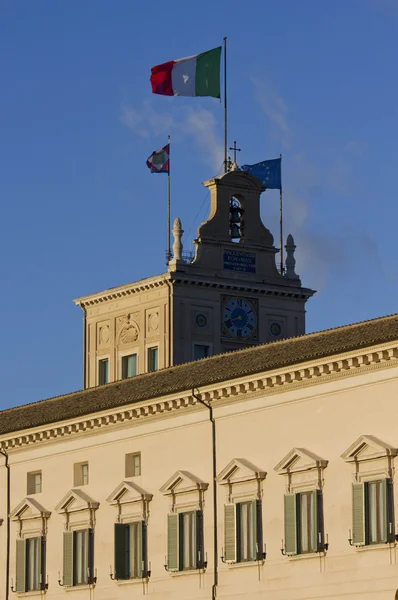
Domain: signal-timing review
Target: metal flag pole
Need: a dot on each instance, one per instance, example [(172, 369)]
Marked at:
[(168, 211), (225, 107), (281, 219)]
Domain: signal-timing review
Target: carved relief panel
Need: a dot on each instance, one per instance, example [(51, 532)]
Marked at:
[(127, 329), (103, 335), (152, 322)]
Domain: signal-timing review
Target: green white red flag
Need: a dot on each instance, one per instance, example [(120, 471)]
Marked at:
[(197, 75)]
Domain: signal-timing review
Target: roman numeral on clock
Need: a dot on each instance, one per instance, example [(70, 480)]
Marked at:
[(228, 323)]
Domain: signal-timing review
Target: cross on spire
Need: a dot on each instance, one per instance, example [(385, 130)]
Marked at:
[(235, 149)]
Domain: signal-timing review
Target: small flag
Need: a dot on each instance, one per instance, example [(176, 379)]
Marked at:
[(268, 172), (197, 75), (159, 161)]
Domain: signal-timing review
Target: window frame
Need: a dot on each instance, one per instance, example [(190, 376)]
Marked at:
[(31, 483), (130, 464), (191, 558), (123, 358), (250, 531), (362, 519), (134, 563), (200, 344), (293, 523), (78, 475), (148, 350), (30, 549), (100, 361)]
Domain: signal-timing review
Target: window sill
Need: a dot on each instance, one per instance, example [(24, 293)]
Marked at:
[(133, 581), (381, 546), (187, 572), (242, 565), (77, 588), (307, 556), (31, 593)]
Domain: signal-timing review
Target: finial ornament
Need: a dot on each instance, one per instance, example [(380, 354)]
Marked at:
[(177, 246), (290, 263), (235, 149)]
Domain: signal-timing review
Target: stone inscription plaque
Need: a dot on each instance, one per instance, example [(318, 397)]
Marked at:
[(237, 260)]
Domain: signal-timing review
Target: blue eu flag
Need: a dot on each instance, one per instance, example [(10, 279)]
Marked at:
[(268, 172)]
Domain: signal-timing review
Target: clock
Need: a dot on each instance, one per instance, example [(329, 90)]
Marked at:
[(239, 317)]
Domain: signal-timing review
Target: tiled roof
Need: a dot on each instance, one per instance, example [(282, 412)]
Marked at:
[(201, 373)]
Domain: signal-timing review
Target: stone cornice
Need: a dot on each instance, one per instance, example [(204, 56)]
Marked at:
[(123, 290), (182, 278), (244, 286), (271, 382)]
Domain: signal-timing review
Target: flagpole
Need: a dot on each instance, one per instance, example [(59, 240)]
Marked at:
[(281, 220), (225, 106), (168, 210)]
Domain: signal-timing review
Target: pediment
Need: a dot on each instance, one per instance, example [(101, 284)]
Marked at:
[(236, 179), (76, 500), (182, 482), (239, 470), (29, 508), (128, 492), (300, 459), (368, 447)]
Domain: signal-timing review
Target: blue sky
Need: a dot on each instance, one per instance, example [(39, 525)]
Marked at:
[(315, 81)]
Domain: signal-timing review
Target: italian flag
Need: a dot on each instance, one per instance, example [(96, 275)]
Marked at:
[(192, 76)]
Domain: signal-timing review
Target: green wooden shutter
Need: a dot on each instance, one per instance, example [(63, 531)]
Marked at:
[(230, 532), (290, 504), (172, 542), (320, 523), (20, 584), (200, 558), (42, 563), (140, 569), (358, 514), (387, 532), (90, 561), (68, 558), (122, 551), (144, 548), (259, 530)]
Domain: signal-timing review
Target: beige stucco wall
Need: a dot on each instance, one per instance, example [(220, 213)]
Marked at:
[(261, 427), (127, 324)]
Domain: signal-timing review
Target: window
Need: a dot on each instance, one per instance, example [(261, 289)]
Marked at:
[(78, 557), (103, 375), (30, 565), (133, 464), (130, 550), (152, 359), (34, 483), (201, 351), (304, 523), (80, 473), (243, 531), (129, 366), (372, 512), (185, 541)]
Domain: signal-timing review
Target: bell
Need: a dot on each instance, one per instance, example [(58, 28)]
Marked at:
[(235, 231), (234, 214)]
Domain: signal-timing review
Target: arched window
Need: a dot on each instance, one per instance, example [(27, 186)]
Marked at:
[(236, 224)]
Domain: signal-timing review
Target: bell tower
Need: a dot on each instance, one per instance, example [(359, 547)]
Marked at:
[(230, 295)]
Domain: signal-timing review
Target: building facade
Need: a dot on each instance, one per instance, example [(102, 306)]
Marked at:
[(285, 489), (228, 296)]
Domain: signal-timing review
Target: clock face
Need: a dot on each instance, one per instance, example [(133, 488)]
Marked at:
[(239, 318)]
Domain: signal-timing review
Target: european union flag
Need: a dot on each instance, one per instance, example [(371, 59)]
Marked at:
[(268, 172)]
